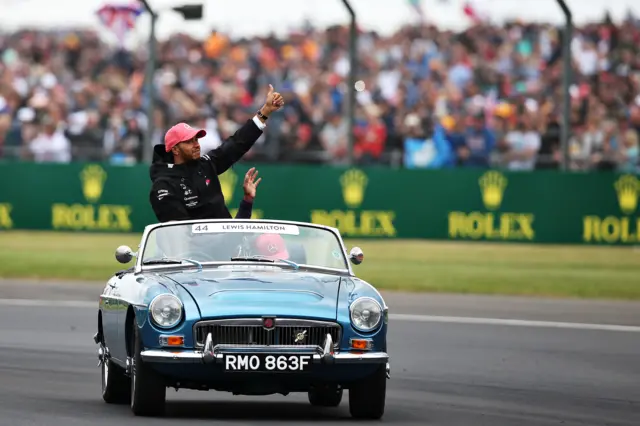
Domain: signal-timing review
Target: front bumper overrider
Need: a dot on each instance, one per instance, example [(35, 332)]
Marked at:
[(211, 354)]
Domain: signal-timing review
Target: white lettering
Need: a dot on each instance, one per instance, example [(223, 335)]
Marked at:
[(270, 362), (243, 362), (282, 363), (230, 362), (268, 228), (294, 364), (304, 360), (162, 193), (254, 362)]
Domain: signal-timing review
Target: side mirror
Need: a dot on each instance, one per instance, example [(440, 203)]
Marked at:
[(124, 254), (356, 256)]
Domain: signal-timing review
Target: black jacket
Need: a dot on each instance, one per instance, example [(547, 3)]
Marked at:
[(192, 190)]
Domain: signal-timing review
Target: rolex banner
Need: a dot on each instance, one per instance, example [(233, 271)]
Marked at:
[(545, 206)]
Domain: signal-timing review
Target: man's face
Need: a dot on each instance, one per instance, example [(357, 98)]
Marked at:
[(187, 151)]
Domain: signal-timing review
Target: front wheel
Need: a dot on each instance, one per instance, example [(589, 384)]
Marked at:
[(367, 397), (148, 390)]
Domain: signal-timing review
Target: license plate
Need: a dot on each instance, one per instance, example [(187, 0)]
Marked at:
[(267, 362)]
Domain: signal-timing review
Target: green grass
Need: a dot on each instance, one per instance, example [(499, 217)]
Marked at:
[(452, 267)]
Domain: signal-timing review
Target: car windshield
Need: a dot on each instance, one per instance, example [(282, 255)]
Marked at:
[(252, 240)]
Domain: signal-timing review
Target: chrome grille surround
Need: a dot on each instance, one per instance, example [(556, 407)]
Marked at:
[(248, 332)]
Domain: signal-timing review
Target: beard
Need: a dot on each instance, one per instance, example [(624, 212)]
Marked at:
[(190, 155)]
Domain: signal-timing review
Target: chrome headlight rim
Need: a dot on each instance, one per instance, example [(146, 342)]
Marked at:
[(380, 318), (166, 296)]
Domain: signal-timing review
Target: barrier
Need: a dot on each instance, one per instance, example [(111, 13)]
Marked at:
[(461, 204)]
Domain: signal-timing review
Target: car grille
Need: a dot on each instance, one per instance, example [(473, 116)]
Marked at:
[(247, 332)]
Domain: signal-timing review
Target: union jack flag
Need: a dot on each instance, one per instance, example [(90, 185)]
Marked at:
[(120, 18)]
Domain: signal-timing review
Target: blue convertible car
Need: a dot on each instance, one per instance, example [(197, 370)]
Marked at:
[(252, 307)]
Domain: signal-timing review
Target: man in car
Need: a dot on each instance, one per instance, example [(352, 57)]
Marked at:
[(185, 184), (275, 247), (272, 246)]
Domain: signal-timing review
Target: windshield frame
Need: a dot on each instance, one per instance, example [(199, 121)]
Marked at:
[(139, 267)]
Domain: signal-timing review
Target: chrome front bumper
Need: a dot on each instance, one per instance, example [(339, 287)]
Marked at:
[(211, 354)]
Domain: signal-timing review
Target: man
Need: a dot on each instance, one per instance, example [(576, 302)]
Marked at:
[(271, 245), (185, 185)]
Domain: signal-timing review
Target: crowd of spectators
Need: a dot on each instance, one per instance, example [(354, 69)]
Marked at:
[(488, 96)]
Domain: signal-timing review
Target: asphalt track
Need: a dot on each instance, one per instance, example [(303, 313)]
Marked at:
[(450, 365)]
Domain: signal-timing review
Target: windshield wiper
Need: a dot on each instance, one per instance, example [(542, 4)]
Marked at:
[(261, 258), (161, 262), (256, 259), (168, 261)]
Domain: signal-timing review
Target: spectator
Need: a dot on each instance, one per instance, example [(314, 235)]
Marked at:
[(370, 137), (485, 79), (475, 149), (333, 138), (549, 154), (50, 145), (424, 152), (296, 138), (522, 144), (85, 136), (628, 160)]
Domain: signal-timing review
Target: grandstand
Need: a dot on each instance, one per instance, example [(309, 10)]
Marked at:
[(487, 96)]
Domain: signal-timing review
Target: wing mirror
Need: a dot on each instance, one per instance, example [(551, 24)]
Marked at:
[(356, 256), (124, 254)]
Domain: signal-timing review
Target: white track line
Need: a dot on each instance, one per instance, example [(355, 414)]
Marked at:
[(392, 317), (51, 303), (513, 322)]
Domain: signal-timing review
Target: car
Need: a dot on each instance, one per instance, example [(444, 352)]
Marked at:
[(251, 307)]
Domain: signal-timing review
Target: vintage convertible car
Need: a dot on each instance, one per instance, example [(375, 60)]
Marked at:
[(252, 307)]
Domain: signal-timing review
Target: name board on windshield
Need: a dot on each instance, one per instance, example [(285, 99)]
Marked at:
[(267, 228)]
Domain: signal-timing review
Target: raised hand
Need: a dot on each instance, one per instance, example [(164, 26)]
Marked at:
[(250, 184), (274, 102)]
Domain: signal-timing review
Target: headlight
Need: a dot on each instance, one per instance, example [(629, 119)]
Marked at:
[(166, 310), (366, 314)]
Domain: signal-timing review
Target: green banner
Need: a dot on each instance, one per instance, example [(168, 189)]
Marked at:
[(461, 204)]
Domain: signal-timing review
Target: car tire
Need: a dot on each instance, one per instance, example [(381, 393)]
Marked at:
[(367, 397), (326, 396), (116, 387), (148, 390)]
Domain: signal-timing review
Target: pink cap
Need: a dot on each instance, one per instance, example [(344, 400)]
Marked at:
[(272, 245), (179, 133)]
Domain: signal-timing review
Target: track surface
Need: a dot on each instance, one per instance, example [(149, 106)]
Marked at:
[(592, 311), (442, 374)]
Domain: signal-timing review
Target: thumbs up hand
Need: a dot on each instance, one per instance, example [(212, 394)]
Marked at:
[(273, 102)]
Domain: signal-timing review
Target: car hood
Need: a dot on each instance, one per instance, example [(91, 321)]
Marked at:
[(259, 291)]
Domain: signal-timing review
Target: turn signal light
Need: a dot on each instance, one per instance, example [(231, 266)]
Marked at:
[(361, 344), (172, 340)]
